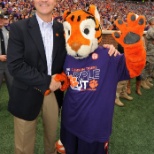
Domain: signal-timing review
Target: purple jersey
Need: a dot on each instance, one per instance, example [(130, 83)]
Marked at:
[(88, 105)]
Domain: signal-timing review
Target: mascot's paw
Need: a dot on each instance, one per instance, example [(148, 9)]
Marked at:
[(131, 38), (59, 147), (130, 32), (64, 79)]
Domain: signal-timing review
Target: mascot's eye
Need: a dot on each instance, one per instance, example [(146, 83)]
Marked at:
[(86, 31), (68, 32)]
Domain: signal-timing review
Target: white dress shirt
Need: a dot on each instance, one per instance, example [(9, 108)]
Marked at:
[(47, 36)]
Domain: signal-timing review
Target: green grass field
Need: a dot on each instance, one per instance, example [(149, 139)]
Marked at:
[(133, 126)]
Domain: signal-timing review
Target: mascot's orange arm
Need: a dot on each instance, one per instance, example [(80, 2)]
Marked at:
[(135, 56), (130, 37), (135, 59)]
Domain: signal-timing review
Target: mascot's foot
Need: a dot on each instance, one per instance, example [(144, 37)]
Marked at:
[(60, 148)]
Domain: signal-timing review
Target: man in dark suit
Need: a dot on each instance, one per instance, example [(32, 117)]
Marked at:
[(36, 52), (4, 73)]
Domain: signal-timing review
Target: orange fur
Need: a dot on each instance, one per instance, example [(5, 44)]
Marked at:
[(135, 53), (75, 29), (135, 60)]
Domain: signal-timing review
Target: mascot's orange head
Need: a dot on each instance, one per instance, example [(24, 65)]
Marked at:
[(82, 32)]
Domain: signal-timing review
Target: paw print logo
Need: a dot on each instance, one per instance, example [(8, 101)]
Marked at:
[(93, 84), (73, 81)]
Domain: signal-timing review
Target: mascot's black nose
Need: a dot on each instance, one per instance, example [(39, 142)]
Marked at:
[(75, 46)]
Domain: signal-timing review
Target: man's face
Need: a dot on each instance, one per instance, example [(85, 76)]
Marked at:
[(44, 7), (152, 23), (5, 21)]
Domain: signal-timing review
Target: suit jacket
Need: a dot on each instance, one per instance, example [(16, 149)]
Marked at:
[(27, 64)]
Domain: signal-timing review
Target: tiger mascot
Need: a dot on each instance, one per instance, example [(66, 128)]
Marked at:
[(87, 111)]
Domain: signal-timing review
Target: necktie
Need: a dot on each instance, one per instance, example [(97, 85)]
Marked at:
[(2, 42)]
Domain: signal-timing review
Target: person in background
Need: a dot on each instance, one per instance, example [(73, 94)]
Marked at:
[(11, 19), (4, 73), (150, 52), (21, 17), (6, 22), (143, 79), (138, 85), (121, 91)]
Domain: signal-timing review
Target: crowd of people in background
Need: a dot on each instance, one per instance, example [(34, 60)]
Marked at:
[(109, 10)]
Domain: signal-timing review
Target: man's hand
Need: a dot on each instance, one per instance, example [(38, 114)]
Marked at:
[(54, 85), (64, 80), (112, 50), (3, 58)]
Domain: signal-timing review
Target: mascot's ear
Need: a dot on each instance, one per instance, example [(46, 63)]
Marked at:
[(93, 10), (65, 14)]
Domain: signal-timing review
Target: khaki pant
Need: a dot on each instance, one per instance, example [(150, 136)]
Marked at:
[(121, 88), (25, 131)]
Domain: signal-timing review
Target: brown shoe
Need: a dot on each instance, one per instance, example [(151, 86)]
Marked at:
[(138, 87), (118, 102)]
